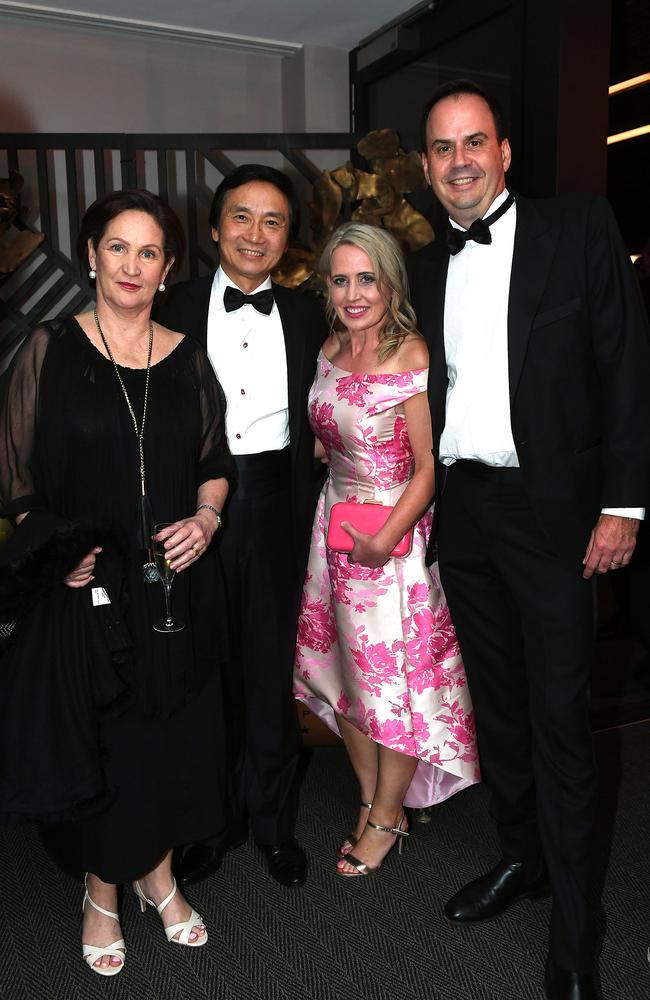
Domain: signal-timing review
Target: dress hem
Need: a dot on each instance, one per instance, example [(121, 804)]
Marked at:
[(431, 783)]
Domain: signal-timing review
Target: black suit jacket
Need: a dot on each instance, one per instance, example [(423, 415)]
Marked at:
[(578, 359), (185, 309)]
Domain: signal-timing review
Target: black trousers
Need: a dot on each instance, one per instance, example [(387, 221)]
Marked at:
[(526, 624), (257, 553)]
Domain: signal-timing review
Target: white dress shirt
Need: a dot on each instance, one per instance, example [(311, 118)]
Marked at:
[(247, 352), (477, 423)]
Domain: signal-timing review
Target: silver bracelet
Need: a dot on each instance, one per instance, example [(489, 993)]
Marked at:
[(208, 506)]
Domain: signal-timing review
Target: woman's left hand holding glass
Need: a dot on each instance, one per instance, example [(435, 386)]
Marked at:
[(187, 540)]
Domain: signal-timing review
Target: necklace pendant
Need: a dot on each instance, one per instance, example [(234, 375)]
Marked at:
[(150, 572)]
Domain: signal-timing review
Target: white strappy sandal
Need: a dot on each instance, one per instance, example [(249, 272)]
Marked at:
[(92, 952), (185, 926)]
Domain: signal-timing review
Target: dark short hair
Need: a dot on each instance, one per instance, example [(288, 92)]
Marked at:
[(248, 172), (454, 88), (104, 210)]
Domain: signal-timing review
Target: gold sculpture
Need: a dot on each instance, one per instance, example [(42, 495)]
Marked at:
[(375, 197), (15, 245)]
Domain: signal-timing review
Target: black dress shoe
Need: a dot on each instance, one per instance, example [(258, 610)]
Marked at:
[(563, 984), (286, 862), (492, 894), (196, 862)]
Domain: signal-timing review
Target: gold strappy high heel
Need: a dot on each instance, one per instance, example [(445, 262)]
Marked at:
[(350, 838), (361, 868)]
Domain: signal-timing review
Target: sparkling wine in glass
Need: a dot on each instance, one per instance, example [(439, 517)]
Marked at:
[(167, 575)]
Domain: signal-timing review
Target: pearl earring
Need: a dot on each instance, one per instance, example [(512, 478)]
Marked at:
[(161, 286), (92, 274)]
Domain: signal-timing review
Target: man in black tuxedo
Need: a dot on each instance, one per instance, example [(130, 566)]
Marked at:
[(262, 340), (539, 363)]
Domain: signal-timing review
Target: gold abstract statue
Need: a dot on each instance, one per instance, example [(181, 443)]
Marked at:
[(15, 245), (376, 197)]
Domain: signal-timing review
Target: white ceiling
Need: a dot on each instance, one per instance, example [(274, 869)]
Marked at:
[(341, 24)]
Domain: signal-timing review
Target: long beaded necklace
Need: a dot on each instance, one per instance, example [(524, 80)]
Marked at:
[(149, 570)]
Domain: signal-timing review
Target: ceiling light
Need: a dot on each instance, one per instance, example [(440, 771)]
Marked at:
[(631, 133), (634, 81)]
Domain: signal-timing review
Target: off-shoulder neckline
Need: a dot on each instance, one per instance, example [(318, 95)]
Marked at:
[(344, 371)]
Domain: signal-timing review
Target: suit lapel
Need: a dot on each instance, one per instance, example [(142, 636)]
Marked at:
[(200, 306), (438, 377), (294, 343), (429, 285), (535, 243)]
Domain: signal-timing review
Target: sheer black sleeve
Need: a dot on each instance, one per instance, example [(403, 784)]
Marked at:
[(19, 491), (215, 460)]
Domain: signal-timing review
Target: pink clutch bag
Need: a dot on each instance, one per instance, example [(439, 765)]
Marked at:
[(368, 517)]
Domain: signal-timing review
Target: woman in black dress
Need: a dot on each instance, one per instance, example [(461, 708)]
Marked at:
[(106, 417)]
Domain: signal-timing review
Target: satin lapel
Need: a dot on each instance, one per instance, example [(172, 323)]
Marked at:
[(200, 308), (294, 344), (535, 243), (438, 377), (430, 280)]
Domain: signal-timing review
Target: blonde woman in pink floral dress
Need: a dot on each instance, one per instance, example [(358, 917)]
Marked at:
[(377, 657)]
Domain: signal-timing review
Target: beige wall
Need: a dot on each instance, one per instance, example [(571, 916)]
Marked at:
[(316, 90), (75, 79)]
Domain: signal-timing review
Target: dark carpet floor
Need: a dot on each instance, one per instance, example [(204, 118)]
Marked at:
[(380, 938)]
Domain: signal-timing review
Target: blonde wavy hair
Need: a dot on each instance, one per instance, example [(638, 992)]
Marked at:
[(389, 269)]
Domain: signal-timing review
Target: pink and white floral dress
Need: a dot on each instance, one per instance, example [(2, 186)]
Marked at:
[(378, 646)]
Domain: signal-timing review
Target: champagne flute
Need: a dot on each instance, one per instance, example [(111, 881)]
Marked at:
[(167, 575)]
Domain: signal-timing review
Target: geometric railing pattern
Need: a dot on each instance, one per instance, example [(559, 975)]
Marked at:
[(65, 173)]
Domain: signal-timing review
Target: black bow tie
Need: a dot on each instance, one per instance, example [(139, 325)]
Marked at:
[(479, 231), (233, 299)]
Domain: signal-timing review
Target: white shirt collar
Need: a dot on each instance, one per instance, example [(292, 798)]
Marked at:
[(221, 281), (499, 200)]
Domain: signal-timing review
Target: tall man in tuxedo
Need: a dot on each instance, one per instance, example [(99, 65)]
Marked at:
[(262, 340), (539, 363)]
